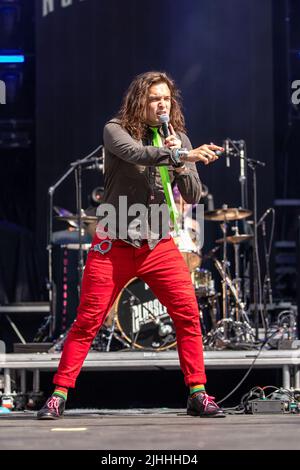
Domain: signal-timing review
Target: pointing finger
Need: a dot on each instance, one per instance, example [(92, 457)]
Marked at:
[(172, 129)]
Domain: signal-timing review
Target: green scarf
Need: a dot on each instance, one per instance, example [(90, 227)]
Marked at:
[(165, 178)]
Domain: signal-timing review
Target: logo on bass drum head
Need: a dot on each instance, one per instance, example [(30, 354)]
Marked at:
[(142, 319)]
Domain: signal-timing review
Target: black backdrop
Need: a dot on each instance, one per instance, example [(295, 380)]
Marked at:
[(218, 51)]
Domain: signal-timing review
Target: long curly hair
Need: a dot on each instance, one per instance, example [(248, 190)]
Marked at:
[(132, 113)]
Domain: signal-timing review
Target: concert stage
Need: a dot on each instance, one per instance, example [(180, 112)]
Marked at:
[(286, 360), (158, 429)]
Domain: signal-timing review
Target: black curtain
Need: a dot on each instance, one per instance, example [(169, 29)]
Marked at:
[(218, 51)]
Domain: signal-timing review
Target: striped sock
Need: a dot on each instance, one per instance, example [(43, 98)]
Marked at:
[(197, 389), (60, 392)]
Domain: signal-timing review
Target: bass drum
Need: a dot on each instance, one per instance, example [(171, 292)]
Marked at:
[(142, 319)]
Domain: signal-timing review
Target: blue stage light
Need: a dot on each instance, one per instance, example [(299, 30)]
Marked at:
[(12, 59)]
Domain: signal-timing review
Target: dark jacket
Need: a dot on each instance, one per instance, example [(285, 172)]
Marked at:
[(131, 169)]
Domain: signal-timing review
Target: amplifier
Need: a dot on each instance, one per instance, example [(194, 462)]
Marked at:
[(272, 407)]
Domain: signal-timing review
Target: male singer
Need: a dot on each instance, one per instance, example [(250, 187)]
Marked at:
[(146, 151)]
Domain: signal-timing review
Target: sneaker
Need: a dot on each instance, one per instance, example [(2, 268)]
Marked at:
[(201, 404), (53, 408)]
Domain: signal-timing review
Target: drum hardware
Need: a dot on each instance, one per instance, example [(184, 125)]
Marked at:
[(207, 297), (211, 253), (230, 334), (225, 215), (208, 310), (42, 334), (62, 212), (74, 218), (76, 166), (104, 337), (226, 278), (233, 330), (267, 285), (75, 246), (102, 341), (235, 240), (59, 343), (237, 149), (203, 283)]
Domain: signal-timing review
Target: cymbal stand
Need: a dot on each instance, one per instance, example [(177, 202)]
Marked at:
[(225, 309), (232, 289), (50, 284), (267, 284), (237, 279), (78, 166), (113, 334), (234, 151), (230, 331)]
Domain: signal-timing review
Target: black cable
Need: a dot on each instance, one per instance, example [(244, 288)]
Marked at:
[(250, 368)]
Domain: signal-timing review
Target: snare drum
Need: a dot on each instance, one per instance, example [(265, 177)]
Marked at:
[(188, 249)]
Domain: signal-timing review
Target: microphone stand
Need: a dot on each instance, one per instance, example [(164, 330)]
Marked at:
[(252, 164), (50, 285), (78, 167), (267, 280), (267, 285), (51, 191)]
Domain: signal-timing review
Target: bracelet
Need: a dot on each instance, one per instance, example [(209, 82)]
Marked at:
[(177, 155)]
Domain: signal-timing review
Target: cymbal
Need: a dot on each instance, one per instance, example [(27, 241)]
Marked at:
[(230, 213), (74, 218), (235, 239)]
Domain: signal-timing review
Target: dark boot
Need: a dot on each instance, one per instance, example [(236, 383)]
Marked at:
[(53, 408), (201, 404)]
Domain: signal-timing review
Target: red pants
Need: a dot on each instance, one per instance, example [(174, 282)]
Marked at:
[(105, 275)]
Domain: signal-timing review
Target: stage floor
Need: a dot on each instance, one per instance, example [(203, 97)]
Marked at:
[(156, 429)]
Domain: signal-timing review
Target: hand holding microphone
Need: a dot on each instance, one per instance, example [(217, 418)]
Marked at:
[(171, 139), (205, 153)]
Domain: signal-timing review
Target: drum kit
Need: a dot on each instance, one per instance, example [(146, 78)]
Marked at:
[(139, 321)]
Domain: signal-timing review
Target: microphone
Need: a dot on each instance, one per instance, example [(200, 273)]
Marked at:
[(264, 216), (227, 152), (164, 120)]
